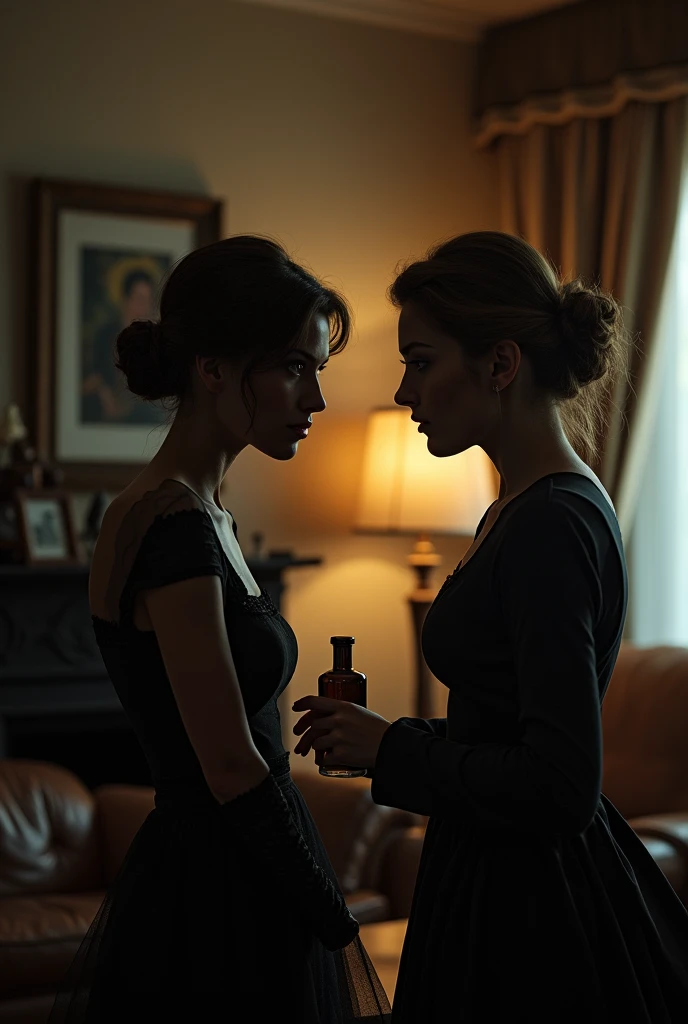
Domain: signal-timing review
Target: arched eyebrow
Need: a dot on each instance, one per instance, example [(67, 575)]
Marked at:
[(307, 356), (414, 344)]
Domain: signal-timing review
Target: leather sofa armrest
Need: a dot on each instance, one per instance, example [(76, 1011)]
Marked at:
[(671, 827), (666, 838), (122, 811)]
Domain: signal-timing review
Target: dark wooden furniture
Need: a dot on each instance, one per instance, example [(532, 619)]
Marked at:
[(56, 701)]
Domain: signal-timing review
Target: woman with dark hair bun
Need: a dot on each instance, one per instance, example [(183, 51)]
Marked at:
[(226, 906), (536, 902)]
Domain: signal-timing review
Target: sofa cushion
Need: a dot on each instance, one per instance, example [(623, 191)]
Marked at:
[(28, 1010), (48, 833), (39, 936), (643, 720), (353, 828), (122, 811), (669, 861), (368, 906)]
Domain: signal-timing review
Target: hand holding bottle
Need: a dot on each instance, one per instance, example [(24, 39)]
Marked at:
[(350, 734)]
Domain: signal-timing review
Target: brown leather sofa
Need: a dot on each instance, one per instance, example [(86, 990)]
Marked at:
[(60, 845), (644, 719)]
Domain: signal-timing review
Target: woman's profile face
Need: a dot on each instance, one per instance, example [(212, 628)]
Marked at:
[(285, 397), (448, 395)]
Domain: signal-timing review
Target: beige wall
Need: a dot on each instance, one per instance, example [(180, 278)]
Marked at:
[(347, 142)]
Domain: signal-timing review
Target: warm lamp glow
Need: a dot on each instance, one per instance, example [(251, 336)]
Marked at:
[(405, 489)]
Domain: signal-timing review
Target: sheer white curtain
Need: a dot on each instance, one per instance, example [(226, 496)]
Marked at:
[(658, 549)]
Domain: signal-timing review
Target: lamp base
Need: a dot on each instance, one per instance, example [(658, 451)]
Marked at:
[(423, 559)]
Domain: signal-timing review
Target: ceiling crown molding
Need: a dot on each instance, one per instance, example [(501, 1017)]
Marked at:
[(423, 17)]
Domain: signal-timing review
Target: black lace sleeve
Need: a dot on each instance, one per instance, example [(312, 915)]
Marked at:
[(167, 536), (178, 546)]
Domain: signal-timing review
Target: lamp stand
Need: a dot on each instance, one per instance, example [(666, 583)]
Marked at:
[(423, 559)]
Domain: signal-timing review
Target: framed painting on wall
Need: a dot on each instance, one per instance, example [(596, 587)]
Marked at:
[(99, 258)]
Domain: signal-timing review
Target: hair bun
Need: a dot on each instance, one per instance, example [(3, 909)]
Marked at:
[(141, 358), (589, 324)]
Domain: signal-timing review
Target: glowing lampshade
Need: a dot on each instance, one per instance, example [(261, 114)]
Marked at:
[(405, 489)]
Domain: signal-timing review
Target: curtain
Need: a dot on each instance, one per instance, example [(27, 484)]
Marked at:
[(589, 58), (600, 197), (587, 108)]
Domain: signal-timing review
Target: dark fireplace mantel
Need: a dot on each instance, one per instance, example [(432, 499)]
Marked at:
[(56, 701)]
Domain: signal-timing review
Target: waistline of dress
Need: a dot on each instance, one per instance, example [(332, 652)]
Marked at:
[(191, 798)]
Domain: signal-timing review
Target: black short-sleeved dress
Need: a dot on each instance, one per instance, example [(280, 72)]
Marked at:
[(194, 928), (536, 902)]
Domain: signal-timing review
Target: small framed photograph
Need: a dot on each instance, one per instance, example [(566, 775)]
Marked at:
[(46, 527), (99, 258)]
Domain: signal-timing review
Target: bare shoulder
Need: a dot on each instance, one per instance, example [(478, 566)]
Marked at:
[(125, 523), (148, 497)]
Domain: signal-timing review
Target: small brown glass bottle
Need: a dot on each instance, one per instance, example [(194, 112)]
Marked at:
[(342, 682)]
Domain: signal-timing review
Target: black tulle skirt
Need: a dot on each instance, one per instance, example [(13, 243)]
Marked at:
[(193, 927)]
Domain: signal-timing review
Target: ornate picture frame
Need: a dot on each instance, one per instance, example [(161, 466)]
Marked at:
[(99, 255)]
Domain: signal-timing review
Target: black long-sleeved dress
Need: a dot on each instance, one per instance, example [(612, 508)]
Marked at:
[(201, 923), (536, 902)]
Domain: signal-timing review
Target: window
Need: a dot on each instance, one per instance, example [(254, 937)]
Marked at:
[(658, 554)]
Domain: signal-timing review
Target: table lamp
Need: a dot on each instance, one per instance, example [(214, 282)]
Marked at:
[(406, 490)]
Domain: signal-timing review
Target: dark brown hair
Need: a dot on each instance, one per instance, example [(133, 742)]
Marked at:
[(487, 286), (243, 299)]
